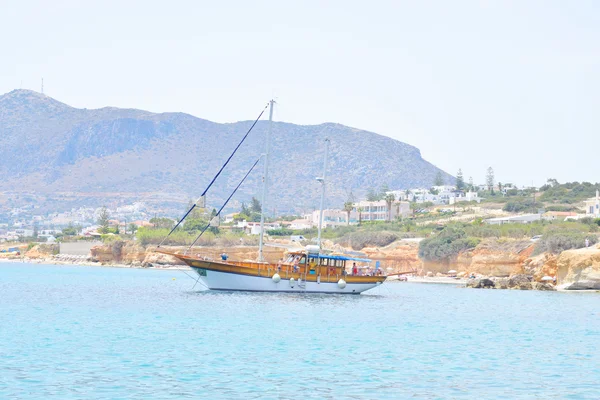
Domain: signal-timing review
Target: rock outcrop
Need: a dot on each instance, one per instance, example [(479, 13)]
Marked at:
[(579, 269), (400, 256), (493, 257), (517, 282), (521, 282), (42, 251), (481, 283)]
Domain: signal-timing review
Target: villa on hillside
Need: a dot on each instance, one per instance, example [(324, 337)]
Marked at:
[(253, 228), (228, 218), (334, 218), (444, 194), (378, 210), (300, 223), (469, 196), (592, 206)]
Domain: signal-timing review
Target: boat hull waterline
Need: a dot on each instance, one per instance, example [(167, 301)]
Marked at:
[(216, 280)]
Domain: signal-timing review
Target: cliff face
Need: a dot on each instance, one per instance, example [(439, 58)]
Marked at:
[(400, 256), (493, 257), (579, 269)]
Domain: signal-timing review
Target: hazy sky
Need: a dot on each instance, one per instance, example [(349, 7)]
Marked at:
[(510, 84)]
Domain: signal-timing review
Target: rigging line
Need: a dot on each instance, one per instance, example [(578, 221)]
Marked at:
[(216, 176), (185, 273), (224, 204), (192, 279)]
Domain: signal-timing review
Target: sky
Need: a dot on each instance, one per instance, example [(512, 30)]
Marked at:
[(512, 85)]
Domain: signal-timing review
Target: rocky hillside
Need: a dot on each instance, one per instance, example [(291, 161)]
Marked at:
[(48, 147)]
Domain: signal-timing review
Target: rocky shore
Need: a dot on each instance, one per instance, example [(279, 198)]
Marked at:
[(494, 264)]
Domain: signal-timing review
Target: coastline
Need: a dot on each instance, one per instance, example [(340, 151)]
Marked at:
[(84, 263)]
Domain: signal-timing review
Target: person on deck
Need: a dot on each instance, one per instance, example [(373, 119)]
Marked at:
[(354, 269), (224, 256)]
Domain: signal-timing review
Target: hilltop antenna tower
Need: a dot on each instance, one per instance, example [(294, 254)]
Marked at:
[(42, 85)]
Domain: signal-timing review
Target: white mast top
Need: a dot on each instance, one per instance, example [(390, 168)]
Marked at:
[(261, 257)]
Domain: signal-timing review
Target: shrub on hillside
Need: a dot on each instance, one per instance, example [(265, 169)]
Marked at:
[(362, 239), (561, 208), (560, 240), (518, 206), (109, 239), (446, 245), (280, 232)]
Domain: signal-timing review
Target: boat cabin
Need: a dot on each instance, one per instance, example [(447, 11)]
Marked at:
[(327, 264)]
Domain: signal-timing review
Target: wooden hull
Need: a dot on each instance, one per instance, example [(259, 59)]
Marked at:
[(259, 277)]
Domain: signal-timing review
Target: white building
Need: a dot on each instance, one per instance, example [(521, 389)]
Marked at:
[(469, 196), (378, 210), (229, 217), (253, 228), (301, 223), (518, 219), (592, 206), (421, 195), (333, 218)]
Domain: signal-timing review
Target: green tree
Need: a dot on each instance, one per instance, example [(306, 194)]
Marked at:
[(439, 180), (389, 199), (36, 229), (161, 223), (255, 206), (132, 228), (460, 181), (103, 218), (195, 224), (71, 230), (348, 207), (414, 206)]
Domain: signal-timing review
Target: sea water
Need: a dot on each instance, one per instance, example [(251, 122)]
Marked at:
[(74, 332)]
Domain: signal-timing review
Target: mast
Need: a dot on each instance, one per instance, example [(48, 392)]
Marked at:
[(261, 258), (322, 180)]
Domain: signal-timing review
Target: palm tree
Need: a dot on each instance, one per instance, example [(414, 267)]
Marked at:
[(348, 207), (389, 199)]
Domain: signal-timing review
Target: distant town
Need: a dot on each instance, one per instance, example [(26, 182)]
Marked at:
[(496, 204)]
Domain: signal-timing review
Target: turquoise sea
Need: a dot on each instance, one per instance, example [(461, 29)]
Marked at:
[(71, 332)]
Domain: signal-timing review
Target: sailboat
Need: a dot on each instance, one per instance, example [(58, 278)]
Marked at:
[(311, 270)]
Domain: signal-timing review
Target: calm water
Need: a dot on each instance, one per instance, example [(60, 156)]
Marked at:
[(90, 332)]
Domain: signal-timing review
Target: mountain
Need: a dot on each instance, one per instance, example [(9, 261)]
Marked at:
[(56, 152)]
